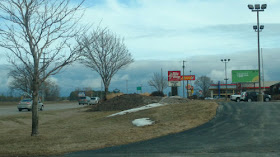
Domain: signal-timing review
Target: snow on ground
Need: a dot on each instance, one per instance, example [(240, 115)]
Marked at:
[(137, 109), (142, 122)]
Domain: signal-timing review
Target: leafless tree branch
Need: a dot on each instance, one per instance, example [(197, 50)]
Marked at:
[(159, 82)]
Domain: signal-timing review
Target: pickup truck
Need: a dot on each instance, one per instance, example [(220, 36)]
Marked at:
[(235, 97)]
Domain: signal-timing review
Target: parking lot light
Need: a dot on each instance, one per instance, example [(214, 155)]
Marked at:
[(258, 29)]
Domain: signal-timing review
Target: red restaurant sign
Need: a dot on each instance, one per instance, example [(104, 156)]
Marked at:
[(174, 75)]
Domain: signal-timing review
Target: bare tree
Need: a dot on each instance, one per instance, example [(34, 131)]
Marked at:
[(105, 53), (37, 29), (159, 82), (204, 82), (22, 82), (52, 90)]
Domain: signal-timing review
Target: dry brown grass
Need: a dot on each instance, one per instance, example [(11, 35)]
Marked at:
[(145, 94), (74, 130), (112, 95)]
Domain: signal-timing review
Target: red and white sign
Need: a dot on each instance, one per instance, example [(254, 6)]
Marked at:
[(174, 75)]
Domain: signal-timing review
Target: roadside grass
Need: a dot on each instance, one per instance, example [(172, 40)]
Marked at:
[(15, 103), (75, 129), (9, 103)]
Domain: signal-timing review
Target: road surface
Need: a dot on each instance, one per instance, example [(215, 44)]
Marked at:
[(239, 129), (12, 109)]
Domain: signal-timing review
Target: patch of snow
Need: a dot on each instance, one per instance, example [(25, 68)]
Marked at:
[(137, 109), (142, 122)]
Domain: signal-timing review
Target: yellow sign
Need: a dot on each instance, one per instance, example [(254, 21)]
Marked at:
[(188, 77)]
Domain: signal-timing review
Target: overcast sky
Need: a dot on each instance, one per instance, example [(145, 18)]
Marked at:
[(160, 34)]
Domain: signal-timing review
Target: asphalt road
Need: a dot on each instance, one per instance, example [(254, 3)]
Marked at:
[(239, 129), (12, 109)]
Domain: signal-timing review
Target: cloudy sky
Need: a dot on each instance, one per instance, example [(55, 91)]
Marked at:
[(160, 34)]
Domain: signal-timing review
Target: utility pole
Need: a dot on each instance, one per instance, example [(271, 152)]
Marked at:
[(126, 86), (190, 94), (161, 81), (262, 69), (184, 79), (44, 74), (101, 89)]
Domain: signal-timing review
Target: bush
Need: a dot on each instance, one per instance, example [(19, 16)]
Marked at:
[(193, 97), (157, 93)]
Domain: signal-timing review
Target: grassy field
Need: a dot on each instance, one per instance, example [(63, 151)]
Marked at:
[(75, 129)]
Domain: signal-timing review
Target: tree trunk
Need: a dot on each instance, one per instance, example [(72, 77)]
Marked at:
[(35, 116), (106, 92)]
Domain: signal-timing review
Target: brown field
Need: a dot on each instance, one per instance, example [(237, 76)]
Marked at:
[(75, 129)]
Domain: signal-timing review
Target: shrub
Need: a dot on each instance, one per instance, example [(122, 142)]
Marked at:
[(157, 93)]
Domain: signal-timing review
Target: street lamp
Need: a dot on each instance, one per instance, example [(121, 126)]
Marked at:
[(258, 28), (226, 61)]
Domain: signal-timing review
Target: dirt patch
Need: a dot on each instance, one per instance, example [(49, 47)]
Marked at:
[(124, 102)]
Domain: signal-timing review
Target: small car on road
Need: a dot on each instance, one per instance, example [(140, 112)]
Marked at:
[(27, 104), (94, 100), (84, 100)]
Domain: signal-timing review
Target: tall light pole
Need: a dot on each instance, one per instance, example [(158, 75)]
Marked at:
[(226, 61), (258, 28)]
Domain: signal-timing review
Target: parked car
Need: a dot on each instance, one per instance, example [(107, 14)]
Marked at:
[(84, 100), (208, 98), (27, 104), (235, 97), (253, 96), (94, 100)]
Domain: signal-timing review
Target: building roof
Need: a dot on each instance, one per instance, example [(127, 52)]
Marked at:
[(267, 84)]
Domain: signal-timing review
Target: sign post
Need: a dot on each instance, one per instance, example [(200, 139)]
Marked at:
[(139, 88), (174, 81), (188, 78)]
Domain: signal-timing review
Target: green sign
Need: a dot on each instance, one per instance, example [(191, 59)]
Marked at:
[(139, 88), (245, 76)]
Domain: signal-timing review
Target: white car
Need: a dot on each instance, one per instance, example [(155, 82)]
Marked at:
[(94, 100), (235, 97), (27, 104)]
